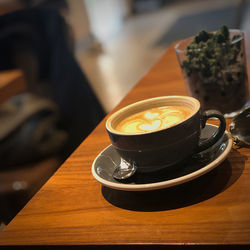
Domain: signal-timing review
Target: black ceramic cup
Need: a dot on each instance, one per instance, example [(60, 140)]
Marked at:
[(152, 151)]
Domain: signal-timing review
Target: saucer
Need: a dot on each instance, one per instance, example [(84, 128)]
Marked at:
[(194, 167)]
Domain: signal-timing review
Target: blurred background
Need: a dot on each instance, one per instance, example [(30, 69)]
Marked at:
[(132, 35), (64, 64)]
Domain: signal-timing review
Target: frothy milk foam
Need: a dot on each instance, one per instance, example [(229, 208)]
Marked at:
[(153, 119)]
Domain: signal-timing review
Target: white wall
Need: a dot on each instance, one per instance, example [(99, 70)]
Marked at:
[(106, 17)]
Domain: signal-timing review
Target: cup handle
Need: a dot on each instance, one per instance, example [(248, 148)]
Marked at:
[(203, 145)]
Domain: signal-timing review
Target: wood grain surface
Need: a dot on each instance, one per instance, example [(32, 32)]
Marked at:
[(12, 82), (74, 209)]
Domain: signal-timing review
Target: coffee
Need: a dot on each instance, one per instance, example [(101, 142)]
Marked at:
[(141, 135), (153, 119)]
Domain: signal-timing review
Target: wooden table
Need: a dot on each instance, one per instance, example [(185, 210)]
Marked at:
[(73, 209)]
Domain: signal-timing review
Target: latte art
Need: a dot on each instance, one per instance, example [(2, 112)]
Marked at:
[(153, 119)]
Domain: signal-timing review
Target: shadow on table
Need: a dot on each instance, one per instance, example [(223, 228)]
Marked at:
[(198, 190)]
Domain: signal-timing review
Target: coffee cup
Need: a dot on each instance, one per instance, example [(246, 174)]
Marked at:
[(162, 131)]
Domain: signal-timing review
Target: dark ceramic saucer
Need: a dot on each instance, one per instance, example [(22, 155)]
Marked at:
[(197, 165)]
